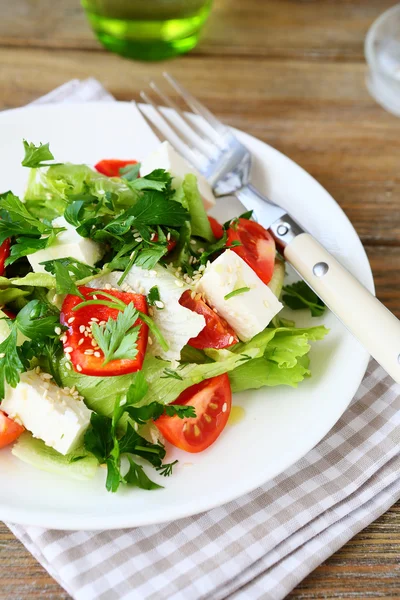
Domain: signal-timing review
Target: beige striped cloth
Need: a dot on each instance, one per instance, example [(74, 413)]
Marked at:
[(259, 546)]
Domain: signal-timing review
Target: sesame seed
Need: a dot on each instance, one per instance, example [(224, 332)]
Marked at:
[(94, 297), (231, 339), (266, 304), (68, 366), (97, 354), (107, 286), (57, 330), (193, 242), (102, 323), (159, 304), (150, 340), (224, 407), (178, 283), (136, 234), (168, 235), (81, 328), (63, 338), (68, 349), (94, 319), (81, 341), (2, 355), (89, 351), (68, 356), (139, 239), (153, 235), (94, 343), (78, 368), (193, 295), (46, 376), (201, 250), (71, 320)]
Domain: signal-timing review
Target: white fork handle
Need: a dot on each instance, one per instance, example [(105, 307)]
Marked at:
[(363, 315)]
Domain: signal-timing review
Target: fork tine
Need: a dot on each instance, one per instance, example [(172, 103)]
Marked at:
[(168, 122), (192, 125), (189, 153), (156, 130), (196, 106)]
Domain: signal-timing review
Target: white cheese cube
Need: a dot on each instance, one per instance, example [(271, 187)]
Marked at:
[(67, 244), (176, 323), (50, 413), (248, 312), (165, 157)]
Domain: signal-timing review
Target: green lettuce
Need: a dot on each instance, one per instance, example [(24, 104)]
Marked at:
[(273, 357), (49, 190), (79, 464), (198, 217)]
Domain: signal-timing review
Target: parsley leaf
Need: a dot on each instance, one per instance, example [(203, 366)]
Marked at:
[(19, 215), (35, 155), (11, 364), (130, 172), (133, 443), (299, 295), (73, 212), (67, 271), (149, 257), (28, 245), (153, 209), (34, 322), (136, 477), (153, 296), (118, 339), (98, 438)]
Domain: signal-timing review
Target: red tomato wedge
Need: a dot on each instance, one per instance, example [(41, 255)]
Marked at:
[(257, 249), (81, 353), (111, 166), (9, 430), (212, 400), (4, 254), (8, 313), (216, 228), (217, 333)]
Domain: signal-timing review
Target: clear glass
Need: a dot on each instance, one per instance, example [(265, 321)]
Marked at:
[(147, 29), (382, 51)]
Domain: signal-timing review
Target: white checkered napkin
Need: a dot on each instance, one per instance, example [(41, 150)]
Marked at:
[(259, 546)]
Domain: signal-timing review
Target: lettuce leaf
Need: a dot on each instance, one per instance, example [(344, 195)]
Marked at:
[(79, 464), (198, 217)]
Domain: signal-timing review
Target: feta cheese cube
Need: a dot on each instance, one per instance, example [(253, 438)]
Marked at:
[(248, 312), (50, 413), (165, 157), (67, 244), (176, 323)]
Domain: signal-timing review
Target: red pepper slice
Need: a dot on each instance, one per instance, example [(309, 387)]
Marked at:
[(111, 166), (78, 340)]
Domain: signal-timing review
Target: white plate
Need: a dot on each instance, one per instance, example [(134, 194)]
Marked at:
[(281, 424)]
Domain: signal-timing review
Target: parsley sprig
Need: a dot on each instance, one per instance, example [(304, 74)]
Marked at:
[(104, 441), (299, 296)]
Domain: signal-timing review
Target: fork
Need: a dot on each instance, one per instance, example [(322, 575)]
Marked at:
[(225, 162)]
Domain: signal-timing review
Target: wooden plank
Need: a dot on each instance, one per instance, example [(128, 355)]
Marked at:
[(333, 29), (366, 567), (319, 114)]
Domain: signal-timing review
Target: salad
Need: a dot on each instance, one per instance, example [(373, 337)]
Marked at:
[(129, 316)]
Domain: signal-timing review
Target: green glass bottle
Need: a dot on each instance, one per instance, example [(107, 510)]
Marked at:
[(147, 29)]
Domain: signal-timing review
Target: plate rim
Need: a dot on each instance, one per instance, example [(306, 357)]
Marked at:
[(81, 521)]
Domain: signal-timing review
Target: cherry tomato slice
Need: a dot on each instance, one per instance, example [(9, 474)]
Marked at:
[(81, 353), (217, 333), (257, 249), (216, 228), (8, 313), (111, 166), (4, 254), (9, 430), (212, 400)]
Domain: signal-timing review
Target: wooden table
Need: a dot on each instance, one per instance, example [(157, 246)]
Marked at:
[(292, 73)]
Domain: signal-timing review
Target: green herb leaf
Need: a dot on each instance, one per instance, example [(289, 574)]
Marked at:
[(19, 216), (153, 296), (170, 373), (148, 258), (133, 443), (153, 209), (11, 364), (34, 322), (36, 155), (118, 338), (241, 290), (166, 469), (136, 477), (130, 172), (73, 212), (299, 296), (98, 437)]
